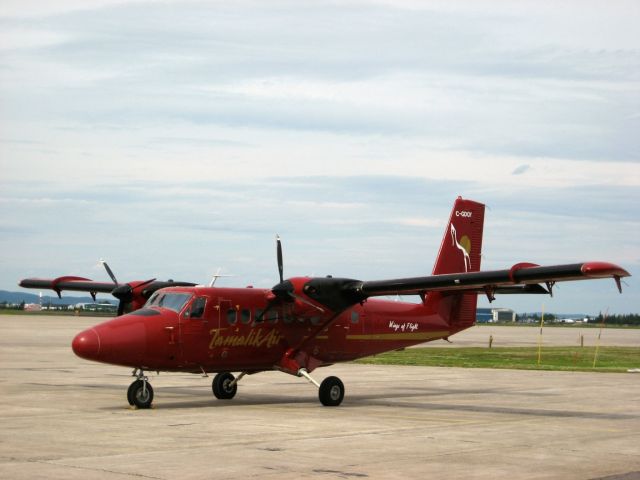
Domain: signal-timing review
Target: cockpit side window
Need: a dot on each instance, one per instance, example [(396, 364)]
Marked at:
[(197, 307), (172, 301), (153, 298)]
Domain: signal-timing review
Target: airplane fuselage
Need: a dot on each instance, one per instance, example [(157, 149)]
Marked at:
[(233, 332)]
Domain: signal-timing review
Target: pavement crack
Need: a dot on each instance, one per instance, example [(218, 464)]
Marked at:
[(102, 470), (340, 473)]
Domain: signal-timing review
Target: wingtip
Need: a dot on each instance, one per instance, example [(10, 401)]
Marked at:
[(603, 270)]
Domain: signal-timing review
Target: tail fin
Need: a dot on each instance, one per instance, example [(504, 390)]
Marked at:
[(460, 251), (462, 241)]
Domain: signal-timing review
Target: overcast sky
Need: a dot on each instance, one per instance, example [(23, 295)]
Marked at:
[(174, 138)]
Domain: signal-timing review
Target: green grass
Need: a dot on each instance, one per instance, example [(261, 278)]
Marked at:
[(610, 359)]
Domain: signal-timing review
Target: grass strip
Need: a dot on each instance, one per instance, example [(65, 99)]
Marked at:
[(610, 359)]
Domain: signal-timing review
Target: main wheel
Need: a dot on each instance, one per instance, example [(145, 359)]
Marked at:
[(222, 387), (130, 390), (140, 395), (331, 392)]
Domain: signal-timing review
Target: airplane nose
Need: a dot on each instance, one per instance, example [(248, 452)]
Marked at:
[(87, 344)]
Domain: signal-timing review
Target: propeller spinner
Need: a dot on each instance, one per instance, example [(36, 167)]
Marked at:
[(125, 292)]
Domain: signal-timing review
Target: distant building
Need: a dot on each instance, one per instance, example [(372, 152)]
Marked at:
[(494, 315), (484, 315), (57, 307), (97, 307)]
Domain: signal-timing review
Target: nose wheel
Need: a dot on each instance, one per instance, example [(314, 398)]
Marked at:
[(140, 392)]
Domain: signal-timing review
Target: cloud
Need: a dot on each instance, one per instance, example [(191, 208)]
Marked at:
[(165, 138), (521, 169)]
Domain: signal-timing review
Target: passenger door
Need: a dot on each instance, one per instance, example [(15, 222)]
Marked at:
[(195, 323)]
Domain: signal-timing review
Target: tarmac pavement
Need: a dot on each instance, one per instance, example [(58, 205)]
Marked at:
[(65, 418)]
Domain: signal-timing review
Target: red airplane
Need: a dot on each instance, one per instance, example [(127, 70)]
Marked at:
[(303, 323)]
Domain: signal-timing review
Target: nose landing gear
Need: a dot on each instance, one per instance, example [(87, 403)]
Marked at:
[(140, 393)]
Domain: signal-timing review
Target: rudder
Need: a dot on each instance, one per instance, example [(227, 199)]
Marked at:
[(460, 251)]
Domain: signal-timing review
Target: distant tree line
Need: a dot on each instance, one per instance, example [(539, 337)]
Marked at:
[(548, 317), (624, 319), (12, 306)]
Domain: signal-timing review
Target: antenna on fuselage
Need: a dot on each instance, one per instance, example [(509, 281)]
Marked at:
[(216, 276)]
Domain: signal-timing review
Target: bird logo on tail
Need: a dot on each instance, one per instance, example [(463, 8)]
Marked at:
[(464, 245)]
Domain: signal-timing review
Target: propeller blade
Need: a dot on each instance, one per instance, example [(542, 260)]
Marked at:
[(106, 266), (280, 263), (283, 291)]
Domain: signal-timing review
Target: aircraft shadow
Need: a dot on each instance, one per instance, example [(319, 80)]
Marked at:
[(403, 400)]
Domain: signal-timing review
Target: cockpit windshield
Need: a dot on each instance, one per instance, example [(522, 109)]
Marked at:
[(172, 301)]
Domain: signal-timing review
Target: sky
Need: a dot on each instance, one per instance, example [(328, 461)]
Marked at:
[(174, 139)]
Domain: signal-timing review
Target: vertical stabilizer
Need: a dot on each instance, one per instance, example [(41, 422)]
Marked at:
[(462, 242), (460, 251)]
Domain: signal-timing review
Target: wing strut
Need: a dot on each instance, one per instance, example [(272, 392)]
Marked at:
[(550, 284), (618, 281)]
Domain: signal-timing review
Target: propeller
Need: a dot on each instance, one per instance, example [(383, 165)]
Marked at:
[(123, 292), (283, 291)]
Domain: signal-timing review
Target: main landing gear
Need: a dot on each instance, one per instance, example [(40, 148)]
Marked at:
[(330, 391), (140, 393), (225, 385)]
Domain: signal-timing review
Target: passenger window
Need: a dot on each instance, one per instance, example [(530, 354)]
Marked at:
[(355, 317), (245, 315), (231, 316), (197, 307)]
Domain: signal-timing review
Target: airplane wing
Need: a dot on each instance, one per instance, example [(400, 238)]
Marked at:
[(76, 284), (521, 278), (132, 295), (340, 293)]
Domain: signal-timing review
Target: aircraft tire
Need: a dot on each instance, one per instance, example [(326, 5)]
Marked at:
[(137, 397), (220, 386), (331, 392), (130, 392)]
